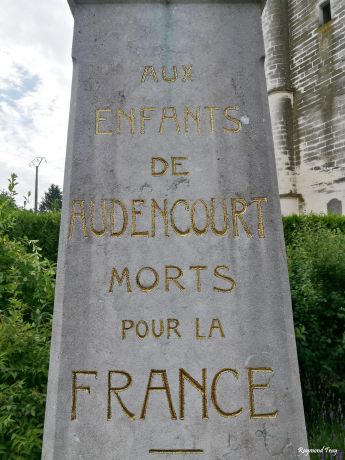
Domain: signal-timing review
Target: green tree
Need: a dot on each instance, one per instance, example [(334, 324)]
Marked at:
[(52, 200)]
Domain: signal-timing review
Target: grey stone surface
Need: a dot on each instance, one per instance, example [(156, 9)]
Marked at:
[(112, 45)]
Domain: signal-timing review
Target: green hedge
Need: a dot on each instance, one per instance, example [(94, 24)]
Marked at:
[(42, 227), (292, 223)]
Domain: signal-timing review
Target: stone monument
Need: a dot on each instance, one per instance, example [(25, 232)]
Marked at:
[(173, 333)]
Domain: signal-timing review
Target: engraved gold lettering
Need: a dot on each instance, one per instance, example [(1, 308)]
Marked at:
[(216, 324), (163, 212), (130, 118), (137, 212), (145, 326), (99, 118), (76, 387), (198, 336), (195, 117), (127, 325), (119, 279), (214, 394), (149, 70), (173, 116), (165, 387), (175, 278), (175, 162), (116, 390), (163, 171), (261, 228), (80, 215), (219, 275), (123, 380), (104, 218), (142, 328), (235, 121), (211, 109), (173, 325), (198, 269), (169, 79), (151, 286), (201, 387), (225, 229), (172, 218), (200, 216), (237, 214), (103, 115), (144, 117), (161, 329), (187, 73), (258, 386), (120, 232), (200, 231)]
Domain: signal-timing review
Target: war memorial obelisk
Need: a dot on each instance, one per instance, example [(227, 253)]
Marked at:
[(173, 334)]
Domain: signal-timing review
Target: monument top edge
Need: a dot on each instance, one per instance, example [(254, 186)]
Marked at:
[(74, 3)]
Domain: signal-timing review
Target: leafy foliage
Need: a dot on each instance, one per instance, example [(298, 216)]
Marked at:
[(23, 366), (316, 257), (26, 298), (12, 183), (43, 227), (297, 223), (52, 200), (8, 196)]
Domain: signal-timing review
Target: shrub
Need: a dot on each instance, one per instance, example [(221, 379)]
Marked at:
[(316, 258), (293, 223), (26, 299), (43, 227), (23, 366)]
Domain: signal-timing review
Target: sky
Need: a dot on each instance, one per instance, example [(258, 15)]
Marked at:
[(35, 84)]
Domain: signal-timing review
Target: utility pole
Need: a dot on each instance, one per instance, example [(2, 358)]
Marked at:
[(35, 163)]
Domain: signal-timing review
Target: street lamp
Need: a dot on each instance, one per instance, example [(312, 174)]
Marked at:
[(35, 163)]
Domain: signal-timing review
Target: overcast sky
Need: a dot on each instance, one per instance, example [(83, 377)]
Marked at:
[(35, 80)]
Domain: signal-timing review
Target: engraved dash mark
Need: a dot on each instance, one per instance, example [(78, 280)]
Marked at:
[(176, 451)]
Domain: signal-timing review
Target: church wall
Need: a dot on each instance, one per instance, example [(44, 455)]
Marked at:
[(315, 165)]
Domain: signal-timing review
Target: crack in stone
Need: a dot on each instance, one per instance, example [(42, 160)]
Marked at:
[(264, 434)]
